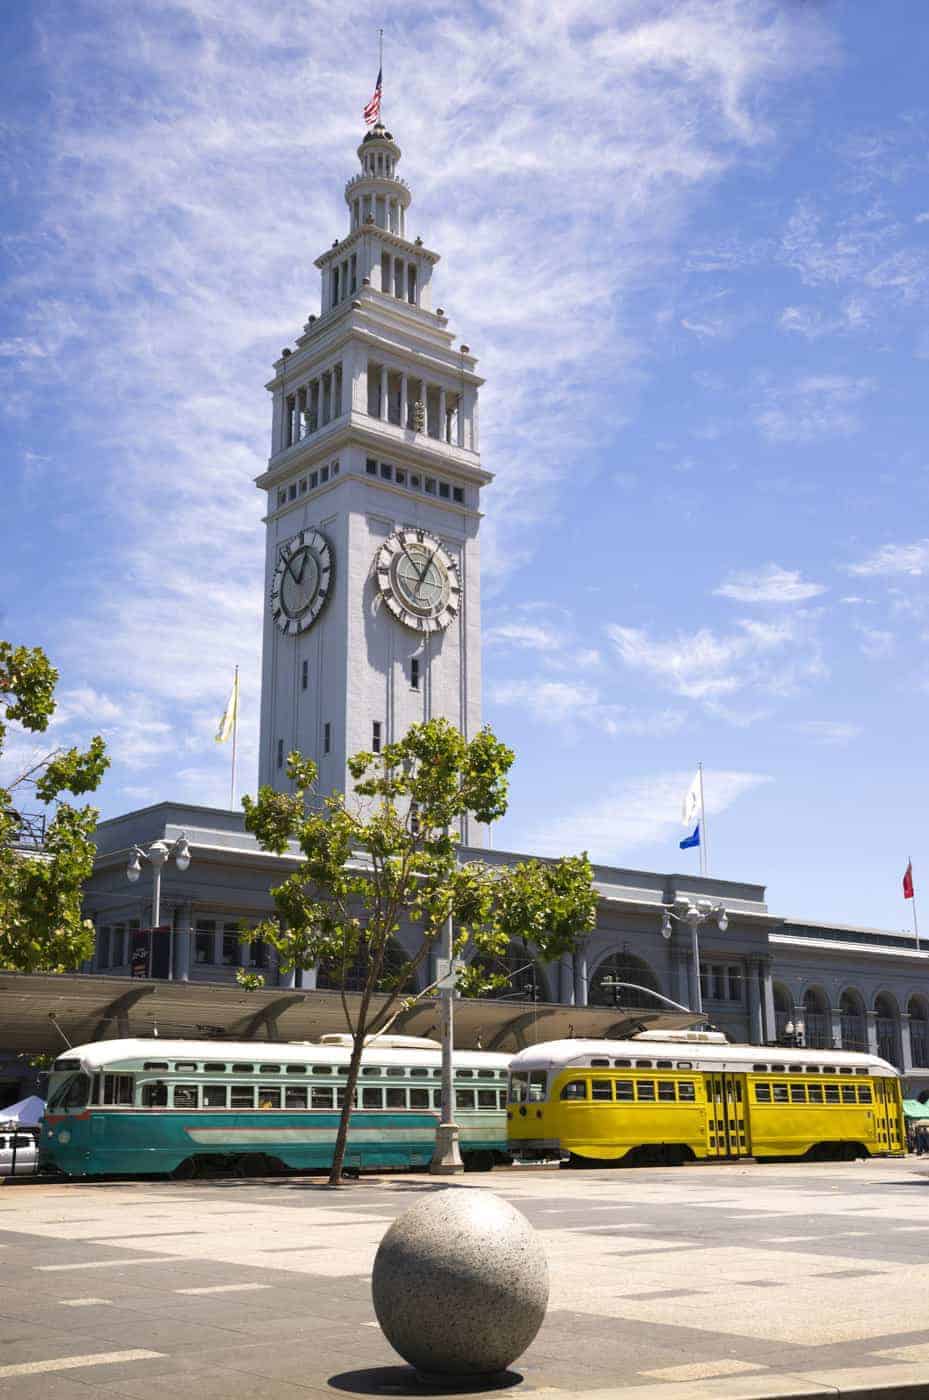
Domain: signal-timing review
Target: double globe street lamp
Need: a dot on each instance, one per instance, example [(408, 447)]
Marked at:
[(693, 913), (157, 855)]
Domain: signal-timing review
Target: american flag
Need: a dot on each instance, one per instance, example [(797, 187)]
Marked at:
[(373, 109)]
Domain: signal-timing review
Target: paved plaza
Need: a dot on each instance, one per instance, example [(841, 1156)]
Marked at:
[(733, 1280)]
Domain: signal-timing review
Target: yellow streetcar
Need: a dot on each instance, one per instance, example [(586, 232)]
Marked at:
[(678, 1096)]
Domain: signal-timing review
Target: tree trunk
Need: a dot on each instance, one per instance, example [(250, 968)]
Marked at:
[(354, 1064)]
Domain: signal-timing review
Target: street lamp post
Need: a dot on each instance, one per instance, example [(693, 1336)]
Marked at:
[(694, 913), (157, 855), (446, 1156)]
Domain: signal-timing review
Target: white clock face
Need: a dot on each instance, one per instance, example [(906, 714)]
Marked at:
[(300, 585), (418, 580)]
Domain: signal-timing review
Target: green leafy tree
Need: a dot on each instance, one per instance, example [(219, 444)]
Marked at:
[(41, 929), (387, 859)]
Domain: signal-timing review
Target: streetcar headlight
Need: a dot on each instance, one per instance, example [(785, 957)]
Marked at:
[(64, 1136)]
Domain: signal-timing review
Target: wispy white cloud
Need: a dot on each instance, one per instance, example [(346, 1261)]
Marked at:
[(876, 643), (577, 707), (895, 559), (826, 731), (642, 811), (771, 584), (813, 324), (812, 407)]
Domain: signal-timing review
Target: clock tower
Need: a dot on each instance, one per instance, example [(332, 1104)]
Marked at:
[(372, 617)]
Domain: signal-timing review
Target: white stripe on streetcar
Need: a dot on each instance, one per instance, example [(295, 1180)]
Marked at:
[(70, 1363)]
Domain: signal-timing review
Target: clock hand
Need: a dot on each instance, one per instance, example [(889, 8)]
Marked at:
[(425, 571), (297, 577)]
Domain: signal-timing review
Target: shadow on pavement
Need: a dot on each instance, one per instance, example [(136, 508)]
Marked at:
[(403, 1380)]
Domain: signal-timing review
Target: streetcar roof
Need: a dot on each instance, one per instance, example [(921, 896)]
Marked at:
[(105, 1054), (563, 1054)]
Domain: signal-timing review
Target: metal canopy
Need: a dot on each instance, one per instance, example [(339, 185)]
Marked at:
[(43, 1013)]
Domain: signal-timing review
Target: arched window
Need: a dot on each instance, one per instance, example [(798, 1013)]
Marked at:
[(918, 1012), (817, 1022), (329, 975), (783, 1010), (624, 967), (854, 1023), (525, 980), (888, 1029)]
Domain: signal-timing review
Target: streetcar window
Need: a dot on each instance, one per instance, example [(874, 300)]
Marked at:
[(117, 1088), (622, 1064), (322, 1069), (269, 1069), (419, 1098), (487, 1074), (66, 1064), (371, 1069), (214, 1096), (848, 1093), (185, 1067), (464, 1098), (398, 1072), (372, 1097), (796, 1069), (601, 1089), (487, 1098), (666, 1089), (185, 1096), (814, 1093), (624, 1089), (686, 1091), (861, 1071), (211, 1069), (296, 1069), (396, 1097), (155, 1064), (340, 1097), (759, 1069), (243, 1069), (598, 1064), (832, 1093), (242, 1096), (466, 1074), (798, 1093), (847, 1069), (269, 1096), (501, 1097), (645, 1089), (644, 1064), (830, 1069), (321, 1096), (575, 1089), (864, 1093), (437, 1098), (295, 1096), (685, 1064), (780, 1093), (777, 1069), (762, 1093), (519, 1088), (664, 1064), (537, 1086)]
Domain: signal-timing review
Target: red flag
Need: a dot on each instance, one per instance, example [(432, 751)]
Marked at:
[(908, 882)]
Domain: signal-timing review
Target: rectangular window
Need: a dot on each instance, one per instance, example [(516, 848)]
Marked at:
[(292, 491), (371, 466), (282, 498), (257, 953), (396, 1097), (416, 481), (376, 736), (735, 983), (487, 1098), (304, 675), (601, 1089), (444, 490), (269, 1096), (430, 485), (185, 1096), (419, 1098), (295, 1096), (762, 1093), (814, 1093), (398, 1072), (464, 1098), (303, 486), (458, 494), (624, 1089), (155, 1064), (387, 471), (798, 1093), (864, 1093), (645, 1089), (848, 1093), (666, 1090), (372, 1097), (243, 1069), (154, 1096), (103, 948), (780, 1093), (119, 945), (335, 469), (832, 1093), (538, 1086), (719, 984), (296, 1069), (204, 940), (211, 1068), (323, 474), (327, 737), (280, 753), (117, 1088), (685, 1091), (400, 476), (414, 672), (230, 946), (242, 1096), (314, 480)]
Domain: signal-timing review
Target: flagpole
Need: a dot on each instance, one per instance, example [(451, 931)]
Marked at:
[(915, 919), (235, 736), (380, 60), (704, 847)]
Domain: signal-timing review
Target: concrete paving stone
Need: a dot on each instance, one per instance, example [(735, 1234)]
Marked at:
[(213, 1385)]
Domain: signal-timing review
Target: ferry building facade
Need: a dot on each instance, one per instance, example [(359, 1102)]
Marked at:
[(373, 511)]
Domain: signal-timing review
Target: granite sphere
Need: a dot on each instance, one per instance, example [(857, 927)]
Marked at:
[(460, 1283)]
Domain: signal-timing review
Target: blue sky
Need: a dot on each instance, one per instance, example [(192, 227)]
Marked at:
[(689, 243)]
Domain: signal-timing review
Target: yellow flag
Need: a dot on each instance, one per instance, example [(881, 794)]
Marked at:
[(230, 714)]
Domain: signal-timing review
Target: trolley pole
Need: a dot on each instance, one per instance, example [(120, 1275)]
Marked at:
[(446, 1156)]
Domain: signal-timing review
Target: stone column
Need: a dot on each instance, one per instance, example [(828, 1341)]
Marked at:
[(182, 943), (906, 1045), (580, 977), (767, 984), (566, 979), (404, 411), (836, 1018), (871, 1020), (337, 389), (755, 1018), (308, 982), (443, 419), (384, 393)]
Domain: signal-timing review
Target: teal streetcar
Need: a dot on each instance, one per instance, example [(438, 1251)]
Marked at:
[(139, 1107)]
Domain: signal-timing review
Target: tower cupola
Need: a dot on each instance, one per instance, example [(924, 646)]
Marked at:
[(378, 195)]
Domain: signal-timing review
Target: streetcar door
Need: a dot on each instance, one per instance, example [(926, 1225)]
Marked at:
[(887, 1115), (726, 1124), (715, 1116)]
